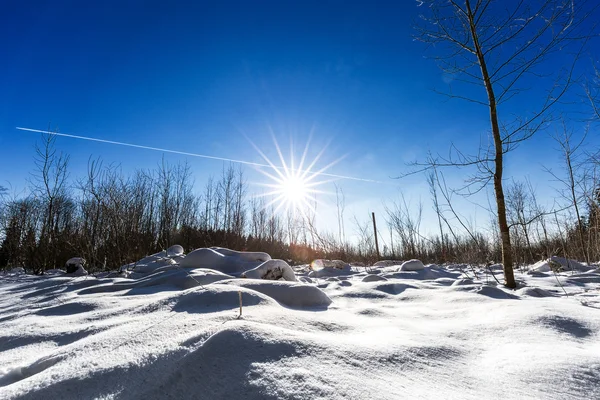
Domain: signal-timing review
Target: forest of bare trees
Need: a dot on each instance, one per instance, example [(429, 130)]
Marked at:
[(111, 218)]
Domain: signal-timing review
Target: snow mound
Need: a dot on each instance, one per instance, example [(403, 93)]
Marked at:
[(216, 298), (559, 264), (271, 270), (175, 278), (248, 256), (393, 288), (175, 251), (373, 278), (494, 292), (224, 260), (534, 292), (326, 268), (541, 266), (151, 264), (412, 265), (386, 263), (570, 265), (423, 274), (290, 294), (444, 281), (319, 264), (463, 282), (225, 366), (182, 279), (17, 271)]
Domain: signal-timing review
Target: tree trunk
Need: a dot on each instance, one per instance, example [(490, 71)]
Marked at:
[(507, 262)]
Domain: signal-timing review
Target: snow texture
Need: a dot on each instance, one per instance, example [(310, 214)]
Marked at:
[(447, 332)]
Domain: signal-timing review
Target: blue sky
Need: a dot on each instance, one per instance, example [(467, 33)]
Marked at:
[(198, 76)]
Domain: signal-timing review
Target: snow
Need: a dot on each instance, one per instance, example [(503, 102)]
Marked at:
[(288, 294), (75, 261), (175, 251), (324, 268), (559, 263), (272, 270), (224, 260), (412, 265), (80, 271), (173, 329)]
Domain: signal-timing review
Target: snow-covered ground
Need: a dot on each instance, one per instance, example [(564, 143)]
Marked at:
[(390, 331)]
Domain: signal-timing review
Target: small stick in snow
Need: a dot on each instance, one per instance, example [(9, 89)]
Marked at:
[(240, 295)]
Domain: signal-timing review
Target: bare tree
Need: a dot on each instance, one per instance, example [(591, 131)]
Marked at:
[(176, 204), (592, 90), (520, 216), (49, 184), (572, 181), (3, 194), (366, 240), (502, 47), (340, 202), (433, 190), (258, 217), (406, 223)]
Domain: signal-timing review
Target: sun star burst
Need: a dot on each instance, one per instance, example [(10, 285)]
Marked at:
[(294, 188)]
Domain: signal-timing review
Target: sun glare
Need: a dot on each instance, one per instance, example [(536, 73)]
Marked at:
[(291, 187), (294, 189)]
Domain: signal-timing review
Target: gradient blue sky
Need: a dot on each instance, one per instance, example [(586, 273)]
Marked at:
[(198, 76)]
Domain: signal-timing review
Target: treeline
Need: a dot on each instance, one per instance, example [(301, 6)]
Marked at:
[(570, 228), (111, 219)]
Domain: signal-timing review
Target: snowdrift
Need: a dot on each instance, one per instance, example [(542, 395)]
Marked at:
[(165, 327)]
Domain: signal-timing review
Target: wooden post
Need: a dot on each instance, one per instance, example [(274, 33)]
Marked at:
[(375, 232)]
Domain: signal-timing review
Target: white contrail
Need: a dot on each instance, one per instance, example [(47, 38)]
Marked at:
[(185, 153)]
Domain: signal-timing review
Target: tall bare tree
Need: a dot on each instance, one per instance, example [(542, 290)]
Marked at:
[(49, 185), (503, 47)]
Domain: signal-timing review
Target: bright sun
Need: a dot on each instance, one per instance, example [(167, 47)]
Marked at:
[(294, 188)]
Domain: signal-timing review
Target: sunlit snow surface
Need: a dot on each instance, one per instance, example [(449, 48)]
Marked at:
[(338, 333)]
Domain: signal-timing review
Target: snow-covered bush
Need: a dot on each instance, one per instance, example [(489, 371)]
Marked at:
[(174, 251), (74, 264), (271, 270)]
